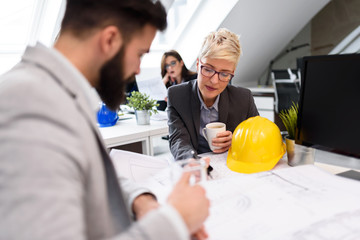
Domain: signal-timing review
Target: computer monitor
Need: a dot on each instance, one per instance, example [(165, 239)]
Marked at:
[(329, 105)]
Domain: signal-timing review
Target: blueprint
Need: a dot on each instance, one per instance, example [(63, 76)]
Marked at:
[(290, 203)]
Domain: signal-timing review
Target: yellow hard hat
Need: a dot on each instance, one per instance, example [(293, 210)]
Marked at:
[(256, 146)]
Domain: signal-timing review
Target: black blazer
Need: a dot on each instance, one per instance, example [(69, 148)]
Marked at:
[(236, 104)]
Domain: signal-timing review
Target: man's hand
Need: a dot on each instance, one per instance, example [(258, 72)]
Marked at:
[(143, 204), (191, 203), (201, 234), (207, 161), (222, 140)]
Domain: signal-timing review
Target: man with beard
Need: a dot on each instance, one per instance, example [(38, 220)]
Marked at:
[(56, 178)]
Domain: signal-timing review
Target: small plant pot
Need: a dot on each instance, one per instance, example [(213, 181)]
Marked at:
[(142, 117), (298, 154)]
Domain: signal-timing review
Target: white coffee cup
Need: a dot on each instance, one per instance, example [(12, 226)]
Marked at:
[(210, 131)]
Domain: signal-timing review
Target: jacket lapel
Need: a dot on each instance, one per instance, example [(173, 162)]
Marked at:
[(195, 111), (223, 106), (117, 203)]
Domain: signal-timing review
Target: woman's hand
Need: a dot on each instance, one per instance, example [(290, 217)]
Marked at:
[(166, 78), (222, 140)]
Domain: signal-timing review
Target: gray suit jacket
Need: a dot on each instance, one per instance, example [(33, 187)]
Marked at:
[(236, 104), (56, 178)]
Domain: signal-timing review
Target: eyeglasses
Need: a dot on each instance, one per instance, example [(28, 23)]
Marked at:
[(172, 64), (209, 72)]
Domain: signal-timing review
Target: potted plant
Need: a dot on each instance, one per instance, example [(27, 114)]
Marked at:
[(296, 154), (289, 119), (143, 105)]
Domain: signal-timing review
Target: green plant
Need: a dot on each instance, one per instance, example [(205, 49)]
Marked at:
[(289, 119), (142, 101)]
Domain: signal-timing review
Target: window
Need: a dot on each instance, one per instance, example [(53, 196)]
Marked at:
[(24, 22)]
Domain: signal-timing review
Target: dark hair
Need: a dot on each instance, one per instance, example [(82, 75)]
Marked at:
[(82, 16), (185, 72)]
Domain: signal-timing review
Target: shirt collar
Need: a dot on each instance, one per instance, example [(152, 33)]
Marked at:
[(202, 104)]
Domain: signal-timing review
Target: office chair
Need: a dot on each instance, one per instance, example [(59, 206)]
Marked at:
[(287, 88)]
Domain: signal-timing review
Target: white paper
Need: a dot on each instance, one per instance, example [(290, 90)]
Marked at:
[(290, 203), (160, 116), (218, 162), (154, 87), (151, 172), (293, 203), (135, 166), (220, 169)]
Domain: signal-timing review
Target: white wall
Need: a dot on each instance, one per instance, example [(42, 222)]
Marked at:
[(203, 16), (266, 27)]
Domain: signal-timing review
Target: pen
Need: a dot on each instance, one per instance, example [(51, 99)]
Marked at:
[(195, 156)]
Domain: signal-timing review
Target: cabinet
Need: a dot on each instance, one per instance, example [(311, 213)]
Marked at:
[(264, 101)]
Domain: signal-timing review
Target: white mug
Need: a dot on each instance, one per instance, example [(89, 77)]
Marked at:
[(210, 131)]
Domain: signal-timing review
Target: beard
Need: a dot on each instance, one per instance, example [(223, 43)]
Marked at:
[(111, 85)]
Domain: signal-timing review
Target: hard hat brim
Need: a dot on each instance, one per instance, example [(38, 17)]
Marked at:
[(108, 124), (252, 167)]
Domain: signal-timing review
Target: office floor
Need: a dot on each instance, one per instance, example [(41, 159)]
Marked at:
[(161, 149)]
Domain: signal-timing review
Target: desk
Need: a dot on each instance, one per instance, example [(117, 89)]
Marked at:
[(218, 162), (286, 203), (127, 131)]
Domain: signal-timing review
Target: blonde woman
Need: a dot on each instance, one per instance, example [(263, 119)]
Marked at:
[(209, 98)]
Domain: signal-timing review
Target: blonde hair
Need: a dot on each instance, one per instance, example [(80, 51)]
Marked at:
[(222, 44)]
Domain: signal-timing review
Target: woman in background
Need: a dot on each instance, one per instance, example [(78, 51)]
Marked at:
[(173, 69)]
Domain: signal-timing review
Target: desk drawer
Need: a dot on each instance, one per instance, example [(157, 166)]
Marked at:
[(269, 114), (264, 103)]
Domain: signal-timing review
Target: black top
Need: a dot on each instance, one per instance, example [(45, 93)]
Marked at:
[(186, 79), (163, 104)]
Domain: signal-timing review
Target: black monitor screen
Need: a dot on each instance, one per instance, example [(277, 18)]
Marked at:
[(329, 107)]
